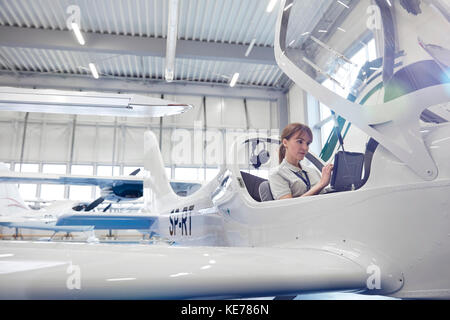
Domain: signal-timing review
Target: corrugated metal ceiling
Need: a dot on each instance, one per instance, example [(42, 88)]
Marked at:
[(206, 21), (226, 21)]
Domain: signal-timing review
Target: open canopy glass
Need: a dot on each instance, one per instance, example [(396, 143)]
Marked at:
[(408, 74)]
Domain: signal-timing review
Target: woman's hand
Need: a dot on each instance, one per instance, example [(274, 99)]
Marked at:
[(324, 181), (326, 175)]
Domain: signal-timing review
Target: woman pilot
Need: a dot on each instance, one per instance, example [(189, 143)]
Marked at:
[(290, 179)]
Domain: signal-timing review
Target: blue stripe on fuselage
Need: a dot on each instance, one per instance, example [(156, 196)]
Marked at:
[(107, 221)]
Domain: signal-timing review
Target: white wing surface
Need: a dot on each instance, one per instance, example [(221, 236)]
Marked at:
[(37, 270)]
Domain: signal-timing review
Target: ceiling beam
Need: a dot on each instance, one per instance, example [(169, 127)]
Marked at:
[(171, 41), (72, 82), (132, 45)]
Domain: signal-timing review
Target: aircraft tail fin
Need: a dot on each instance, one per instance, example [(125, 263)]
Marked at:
[(157, 189), (11, 203)]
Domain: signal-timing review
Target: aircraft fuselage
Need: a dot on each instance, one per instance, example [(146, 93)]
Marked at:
[(396, 222)]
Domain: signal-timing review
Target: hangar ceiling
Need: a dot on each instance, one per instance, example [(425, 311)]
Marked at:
[(126, 40)]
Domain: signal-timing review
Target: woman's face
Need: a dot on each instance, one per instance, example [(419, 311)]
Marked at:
[(297, 146)]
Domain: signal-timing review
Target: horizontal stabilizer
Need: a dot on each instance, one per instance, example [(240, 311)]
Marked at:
[(45, 178), (102, 182), (161, 272)]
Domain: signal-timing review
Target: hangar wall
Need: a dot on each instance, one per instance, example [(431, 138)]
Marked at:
[(39, 137)]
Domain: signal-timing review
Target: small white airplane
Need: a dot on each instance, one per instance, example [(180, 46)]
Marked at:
[(385, 232), (14, 213), (113, 189)]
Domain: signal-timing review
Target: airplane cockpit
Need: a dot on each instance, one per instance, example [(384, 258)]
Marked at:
[(351, 169)]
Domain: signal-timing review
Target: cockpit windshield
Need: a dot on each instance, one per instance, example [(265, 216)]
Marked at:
[(378, 48), (392, 57)]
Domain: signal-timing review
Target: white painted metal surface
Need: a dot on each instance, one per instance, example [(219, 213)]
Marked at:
[(87, 103), (101, 271), (390, 237), (386, 225)]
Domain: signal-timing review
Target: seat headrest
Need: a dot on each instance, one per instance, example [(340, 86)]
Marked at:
[(264, 191)]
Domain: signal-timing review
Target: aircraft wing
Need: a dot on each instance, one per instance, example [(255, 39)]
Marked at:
[(102, 271), (46, 226), (45, 178)]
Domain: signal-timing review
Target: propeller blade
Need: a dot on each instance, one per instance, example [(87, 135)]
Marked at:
[(135, 172), (94, 204), (107, 207)]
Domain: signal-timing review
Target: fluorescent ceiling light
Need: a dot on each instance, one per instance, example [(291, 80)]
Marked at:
[(271, 5), (121, 279), (389, 3), (288, 6), (181, 274), (343, 30), (250, 47), (171, 42), (168, 75), (76, 30), (340, 2), (93, 70), (234, 79)]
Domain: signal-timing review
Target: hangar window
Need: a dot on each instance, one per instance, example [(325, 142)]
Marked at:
[(188, 173), (128, 170), (81, 192), (200, 174), (54, 168), (210, 173), (28, 167), (82, 170), (53, 192), (28, 191), (106, 171), (261, 172)]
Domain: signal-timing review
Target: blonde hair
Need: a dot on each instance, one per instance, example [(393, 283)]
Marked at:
[(288, 132)]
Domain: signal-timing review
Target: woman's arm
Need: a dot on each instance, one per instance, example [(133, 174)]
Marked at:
[(324, 181), (314, 190)]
